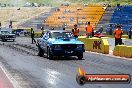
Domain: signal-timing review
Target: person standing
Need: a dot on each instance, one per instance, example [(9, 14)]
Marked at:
[(32, 36), (42, 29), (0, 25), (118, 35), (110, 30), (129, 33), (89, 30), (64, 29), (75, 31), (101, 29), (10, 25)]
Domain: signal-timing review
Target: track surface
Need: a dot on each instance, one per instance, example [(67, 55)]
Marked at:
[(31, 71), (4, 81)]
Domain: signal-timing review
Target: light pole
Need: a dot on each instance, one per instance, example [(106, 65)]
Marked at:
[(78, 9)]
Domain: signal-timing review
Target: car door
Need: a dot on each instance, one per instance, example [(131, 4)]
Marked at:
[(41, 41), (45, 41)]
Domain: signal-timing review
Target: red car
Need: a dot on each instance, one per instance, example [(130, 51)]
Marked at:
[(99, 35)]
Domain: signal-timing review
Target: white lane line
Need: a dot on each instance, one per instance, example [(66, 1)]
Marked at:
[(8, 75), (110, 55)]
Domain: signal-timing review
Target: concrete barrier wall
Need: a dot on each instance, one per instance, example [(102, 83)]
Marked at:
[(27, 29), (123, 51), (37, 34), (99, 45), (112, 36)]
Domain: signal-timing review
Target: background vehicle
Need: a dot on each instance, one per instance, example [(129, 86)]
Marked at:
[(21, 32), (60, 43), (6, 35)]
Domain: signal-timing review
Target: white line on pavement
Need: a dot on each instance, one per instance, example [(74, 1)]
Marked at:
[(8, 75), (109, 55)]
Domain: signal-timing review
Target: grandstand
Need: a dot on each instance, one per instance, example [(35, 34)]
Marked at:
[(76, 14), (105, 20), (122, 15)]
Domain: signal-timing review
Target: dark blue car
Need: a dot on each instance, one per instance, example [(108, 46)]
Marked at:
[(60, 43)]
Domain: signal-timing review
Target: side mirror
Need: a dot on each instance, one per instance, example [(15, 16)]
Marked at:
[(45, 38)]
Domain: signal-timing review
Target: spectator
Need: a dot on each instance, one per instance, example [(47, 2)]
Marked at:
[(52, 28), (63, 28), (99, 31), (0, 25), (57, 9), (10, 25), (32, 36), (129, 33), (75, 31), (89, 30), (42, 29), (18, 9), (118, 35), (110, 31), (93, 33)]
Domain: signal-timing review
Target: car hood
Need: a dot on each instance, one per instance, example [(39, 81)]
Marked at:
[(65, 41)]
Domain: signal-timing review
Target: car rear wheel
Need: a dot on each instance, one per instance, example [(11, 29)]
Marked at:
[(2, 40), (41, 52), (80, 56), (49, 55)]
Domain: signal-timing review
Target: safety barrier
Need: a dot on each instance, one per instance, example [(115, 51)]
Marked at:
[(22, 31), (123, 51), (99, 45), (112, 36), (37, 34), (27, 29)]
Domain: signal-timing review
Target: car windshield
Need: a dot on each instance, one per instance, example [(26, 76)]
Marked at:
[(62, 35), (5, 32)]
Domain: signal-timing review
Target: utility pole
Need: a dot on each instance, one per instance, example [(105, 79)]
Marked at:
[(78, 9)]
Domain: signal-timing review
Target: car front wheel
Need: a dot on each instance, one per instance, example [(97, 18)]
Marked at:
[(3, 40), (80, 56), (41, 52), (49, 55)]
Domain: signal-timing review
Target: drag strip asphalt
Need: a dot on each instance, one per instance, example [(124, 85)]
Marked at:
[(31, 71)]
